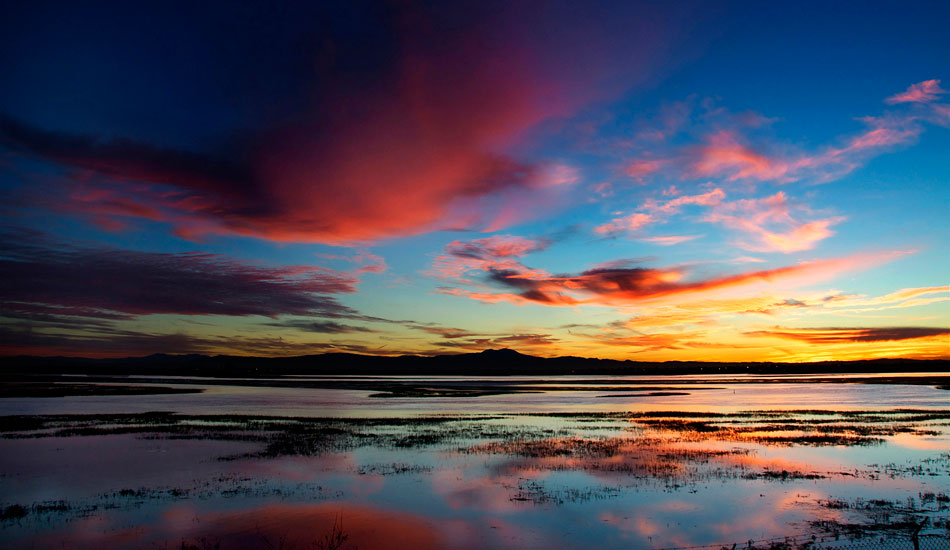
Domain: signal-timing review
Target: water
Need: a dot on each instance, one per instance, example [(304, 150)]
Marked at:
[(772, 393), (497, 471)]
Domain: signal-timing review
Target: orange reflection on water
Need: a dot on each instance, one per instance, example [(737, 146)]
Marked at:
[(269, 526)]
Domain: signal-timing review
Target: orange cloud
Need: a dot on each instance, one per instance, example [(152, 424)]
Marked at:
[(838, 335), (706, 311), (907, 297), (619, 285)]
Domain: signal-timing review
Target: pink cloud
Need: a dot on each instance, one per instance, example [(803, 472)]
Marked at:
[(727, 151), (770, 222), (422, 143), (499, 246), (670, 240), (632, 223), (370, 263), (638, 169), (941, 114), (497, 252), (725, 156), (658, 211), (671, 191), (604, 189), (922, 92), (673, 206)]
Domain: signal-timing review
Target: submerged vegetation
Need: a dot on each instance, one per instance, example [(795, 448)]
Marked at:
[(538, 463), (667, 450), (519, 434)]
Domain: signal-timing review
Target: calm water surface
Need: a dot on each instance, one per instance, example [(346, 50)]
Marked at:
[(501, 471)]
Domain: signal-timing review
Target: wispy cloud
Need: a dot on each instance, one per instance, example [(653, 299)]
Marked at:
[(653, 211), (318, 326), (24, 340), (534, 342), (729, 151), (631, 223), (496, 252), (670, 240), (103, 282), (767, 220), (725, 156), (673, 206), (770, 223), (619, 285), (839, 335), (922, 92)]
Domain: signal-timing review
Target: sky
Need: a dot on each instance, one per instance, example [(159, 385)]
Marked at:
[(730, 181)]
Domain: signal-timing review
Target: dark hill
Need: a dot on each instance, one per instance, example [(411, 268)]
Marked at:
[(489, 362)]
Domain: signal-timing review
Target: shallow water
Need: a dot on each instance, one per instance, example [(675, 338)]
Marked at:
[(500, 472), (715, 396)]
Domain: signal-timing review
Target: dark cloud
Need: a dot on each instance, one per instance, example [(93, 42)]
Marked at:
[(497, 247), (320, 327), (776, 307), (133, 160), (445, 332), (617, 284), (51, 318), (17, 340), (844, 335), (513, 340), (607, 282), (40, 278)]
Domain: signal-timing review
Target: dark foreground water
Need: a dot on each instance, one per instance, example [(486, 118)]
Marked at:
[(616, 463)]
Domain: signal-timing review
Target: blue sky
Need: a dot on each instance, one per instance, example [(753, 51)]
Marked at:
[(633, 180)]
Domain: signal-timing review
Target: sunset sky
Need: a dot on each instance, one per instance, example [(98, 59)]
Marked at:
[(747, 181)]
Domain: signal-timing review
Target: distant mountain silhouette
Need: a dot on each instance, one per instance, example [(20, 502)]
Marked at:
[(494, 362), (502, 353)]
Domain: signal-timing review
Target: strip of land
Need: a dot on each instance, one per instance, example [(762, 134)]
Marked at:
[(503, 362)]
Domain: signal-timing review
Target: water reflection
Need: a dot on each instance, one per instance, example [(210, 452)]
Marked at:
[(622, 477), (322, 402)]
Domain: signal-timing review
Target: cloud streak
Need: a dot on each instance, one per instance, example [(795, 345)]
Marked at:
[(922, 92), (618, 285), (762, 218), (726, 150), (496, 252), (844, 335), (105, 283), (767, 220), (15, 340)]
